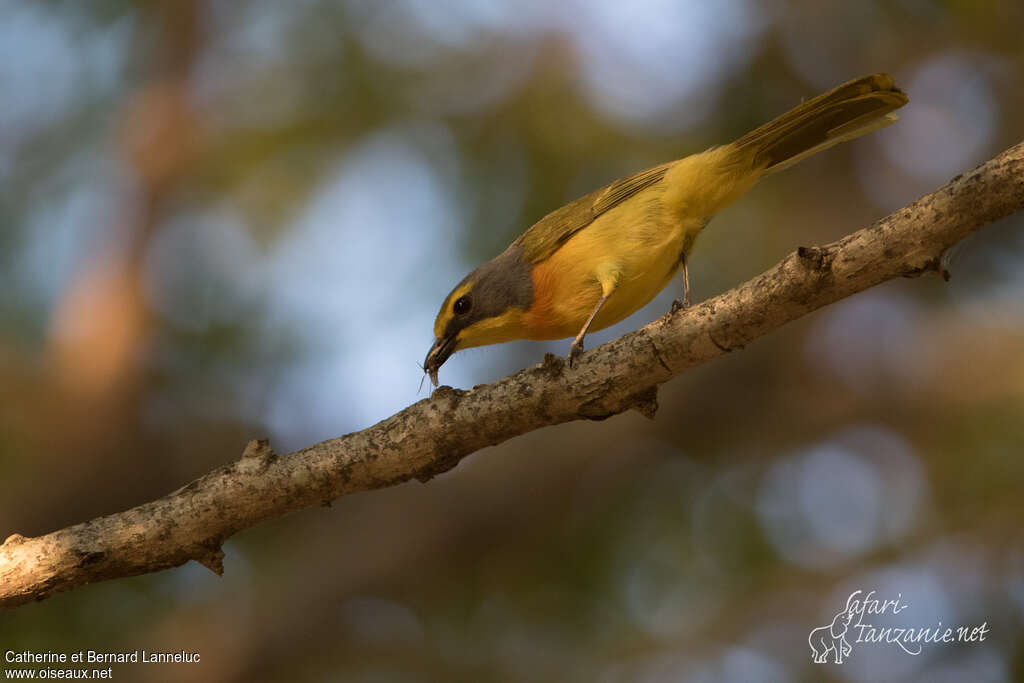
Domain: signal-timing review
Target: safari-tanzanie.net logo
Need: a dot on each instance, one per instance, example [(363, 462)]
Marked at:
[(865, 620)]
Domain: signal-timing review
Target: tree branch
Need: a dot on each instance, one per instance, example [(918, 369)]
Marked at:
[(432, 435)]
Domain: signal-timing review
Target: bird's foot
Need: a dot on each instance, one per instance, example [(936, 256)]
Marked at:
[(574, 352), (681, 304)]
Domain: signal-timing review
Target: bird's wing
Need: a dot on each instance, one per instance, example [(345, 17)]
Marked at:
[(555, 229)]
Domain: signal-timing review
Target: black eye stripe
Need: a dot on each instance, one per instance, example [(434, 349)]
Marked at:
[(462, 305)]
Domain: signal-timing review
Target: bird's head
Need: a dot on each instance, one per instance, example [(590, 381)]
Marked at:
[(487, 307)]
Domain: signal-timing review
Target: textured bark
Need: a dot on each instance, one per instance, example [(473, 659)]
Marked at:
[(432, 435)]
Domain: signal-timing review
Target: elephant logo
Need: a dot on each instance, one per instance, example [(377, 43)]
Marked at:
[(832, 638)]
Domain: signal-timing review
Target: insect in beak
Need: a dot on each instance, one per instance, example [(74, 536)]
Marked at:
[(440, 352)]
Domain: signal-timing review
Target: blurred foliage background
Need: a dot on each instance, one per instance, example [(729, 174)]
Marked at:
[(222, 221)]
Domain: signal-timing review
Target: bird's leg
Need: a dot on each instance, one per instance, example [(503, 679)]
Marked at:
[(577, 344), (679, 304)]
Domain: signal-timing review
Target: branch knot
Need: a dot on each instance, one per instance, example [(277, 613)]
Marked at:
[(816, 258)]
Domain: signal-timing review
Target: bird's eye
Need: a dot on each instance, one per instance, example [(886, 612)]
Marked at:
[(462, 305)]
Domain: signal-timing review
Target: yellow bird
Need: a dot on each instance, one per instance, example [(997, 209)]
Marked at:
[(595, 261)]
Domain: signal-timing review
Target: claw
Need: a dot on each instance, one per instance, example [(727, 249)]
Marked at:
[(574, 352), (680, 304)]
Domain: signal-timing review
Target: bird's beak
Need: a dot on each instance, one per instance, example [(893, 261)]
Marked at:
[(438, 354)]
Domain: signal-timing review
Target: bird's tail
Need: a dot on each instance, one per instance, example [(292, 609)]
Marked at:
[(843, 113)]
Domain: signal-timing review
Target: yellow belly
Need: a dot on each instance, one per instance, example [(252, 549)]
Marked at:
[(636, 247)]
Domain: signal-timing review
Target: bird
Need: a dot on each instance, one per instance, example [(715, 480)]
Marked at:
[(600, 258)]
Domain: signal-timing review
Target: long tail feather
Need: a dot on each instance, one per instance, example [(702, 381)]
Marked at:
[(843, 113)]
